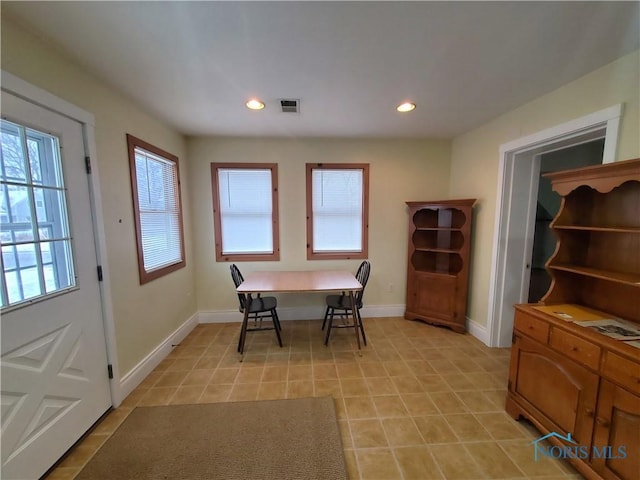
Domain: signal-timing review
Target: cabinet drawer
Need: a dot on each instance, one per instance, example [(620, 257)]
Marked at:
[(574, 347), (531, 326), (622, 371)]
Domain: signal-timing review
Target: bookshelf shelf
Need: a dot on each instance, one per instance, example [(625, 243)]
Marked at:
[(632, 279)]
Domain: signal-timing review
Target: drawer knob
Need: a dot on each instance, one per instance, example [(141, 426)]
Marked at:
[(602, 422)]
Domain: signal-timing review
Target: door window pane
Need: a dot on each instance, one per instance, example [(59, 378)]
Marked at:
[(33, 211)]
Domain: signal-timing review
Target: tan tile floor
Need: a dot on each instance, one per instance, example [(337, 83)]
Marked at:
[(420, 403)]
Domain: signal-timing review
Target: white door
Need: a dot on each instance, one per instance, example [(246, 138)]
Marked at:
[(53, 359)]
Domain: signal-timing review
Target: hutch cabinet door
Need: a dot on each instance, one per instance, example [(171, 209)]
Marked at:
[(617, 427), (563, 392)]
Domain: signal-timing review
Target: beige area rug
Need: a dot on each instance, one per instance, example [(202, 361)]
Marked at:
[(271, 439)]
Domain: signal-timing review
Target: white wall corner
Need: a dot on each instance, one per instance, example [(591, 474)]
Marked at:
[(137, 374), (478, 331)]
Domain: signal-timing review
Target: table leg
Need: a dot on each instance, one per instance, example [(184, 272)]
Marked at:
[(355, 319), (243, 329)]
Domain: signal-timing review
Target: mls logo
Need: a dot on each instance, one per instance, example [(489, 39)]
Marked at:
[(573, 449), (539, 447)]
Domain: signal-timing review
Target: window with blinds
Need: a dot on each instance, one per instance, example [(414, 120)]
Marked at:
[(337, 211), (245, 208), (155, 181)]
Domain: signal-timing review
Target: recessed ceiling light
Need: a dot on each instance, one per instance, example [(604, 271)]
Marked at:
[(255, 104), (406, 107)]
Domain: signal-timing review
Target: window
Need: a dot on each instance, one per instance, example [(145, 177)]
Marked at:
[(337, 211), (245, 211), (157, 206), (37, 255)]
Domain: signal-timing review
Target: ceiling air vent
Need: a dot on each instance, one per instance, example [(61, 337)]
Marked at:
[(290, 106)]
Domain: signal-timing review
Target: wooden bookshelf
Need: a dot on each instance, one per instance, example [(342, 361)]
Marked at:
[(438, 262)]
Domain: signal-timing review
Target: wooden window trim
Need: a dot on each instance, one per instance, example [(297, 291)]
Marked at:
[(217, 222), (364, 253), (132, 144)]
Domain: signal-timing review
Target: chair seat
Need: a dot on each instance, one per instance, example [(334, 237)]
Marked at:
[(261, 304), (339, 302)]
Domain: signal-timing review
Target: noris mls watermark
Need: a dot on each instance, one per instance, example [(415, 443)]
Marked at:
[(573, 449)]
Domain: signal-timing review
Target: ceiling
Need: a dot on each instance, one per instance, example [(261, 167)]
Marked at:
[(195, 64)]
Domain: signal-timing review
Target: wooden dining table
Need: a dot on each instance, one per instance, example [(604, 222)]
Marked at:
[(299, 282)]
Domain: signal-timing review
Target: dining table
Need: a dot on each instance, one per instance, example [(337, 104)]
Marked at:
[(299, 282)]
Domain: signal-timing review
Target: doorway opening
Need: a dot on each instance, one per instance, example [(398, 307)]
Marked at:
[(517, 204)]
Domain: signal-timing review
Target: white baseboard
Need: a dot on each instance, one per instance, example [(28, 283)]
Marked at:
[(378, 311), (317, 312), (478, 331), (299, 313), (284, 313), (137, 374), (219, 316)]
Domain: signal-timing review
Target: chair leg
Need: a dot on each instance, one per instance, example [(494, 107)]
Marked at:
[(276, 325), (326, 314)]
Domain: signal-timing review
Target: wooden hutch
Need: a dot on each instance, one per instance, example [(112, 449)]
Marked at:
[(568, 377)]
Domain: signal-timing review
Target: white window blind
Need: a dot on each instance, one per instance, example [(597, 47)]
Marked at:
[(246, 210), (157, 182), (337, 200)]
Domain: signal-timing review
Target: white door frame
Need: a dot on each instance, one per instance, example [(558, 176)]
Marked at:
[(20, 88), (520, 158)]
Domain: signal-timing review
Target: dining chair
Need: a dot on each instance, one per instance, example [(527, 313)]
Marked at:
[(340, 305), (259, 308)]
